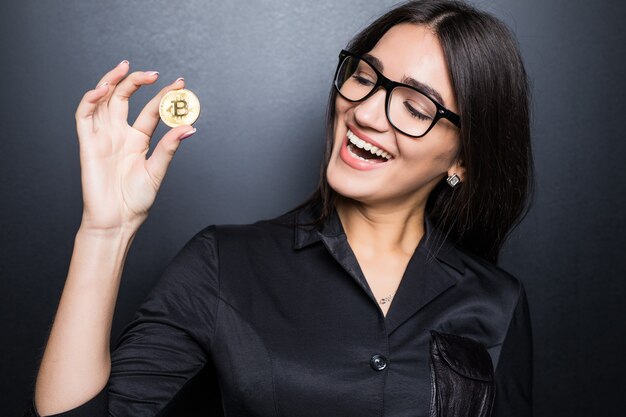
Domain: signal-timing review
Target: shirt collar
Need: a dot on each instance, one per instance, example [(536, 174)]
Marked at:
[(307, 233)]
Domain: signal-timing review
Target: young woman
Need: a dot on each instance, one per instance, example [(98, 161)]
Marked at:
[(378, 296)]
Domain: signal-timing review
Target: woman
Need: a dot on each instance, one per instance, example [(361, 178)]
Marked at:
[(378, 296)]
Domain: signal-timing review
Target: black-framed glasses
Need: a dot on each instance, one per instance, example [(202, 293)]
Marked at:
[(408, 109)]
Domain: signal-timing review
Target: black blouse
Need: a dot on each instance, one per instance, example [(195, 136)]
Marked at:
[(286, 318)]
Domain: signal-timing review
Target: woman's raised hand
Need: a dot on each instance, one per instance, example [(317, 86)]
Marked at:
[(119, 184)]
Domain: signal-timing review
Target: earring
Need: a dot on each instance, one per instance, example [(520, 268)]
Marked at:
[(453, 180)]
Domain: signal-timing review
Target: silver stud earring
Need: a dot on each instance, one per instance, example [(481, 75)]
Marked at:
[(453, 180)]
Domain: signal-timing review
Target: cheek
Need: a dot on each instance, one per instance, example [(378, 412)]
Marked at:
[(342, 107), (439, 153), (447, 155), (339, 123)]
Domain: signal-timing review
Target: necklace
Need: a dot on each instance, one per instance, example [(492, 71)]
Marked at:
[(386, 299)]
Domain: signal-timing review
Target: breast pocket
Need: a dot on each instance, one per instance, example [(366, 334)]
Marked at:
[(461, 373)]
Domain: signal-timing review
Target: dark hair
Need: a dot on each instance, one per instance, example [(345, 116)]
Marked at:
[(491, 87)]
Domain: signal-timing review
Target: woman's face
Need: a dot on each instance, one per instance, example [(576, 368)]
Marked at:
[(416, 165)]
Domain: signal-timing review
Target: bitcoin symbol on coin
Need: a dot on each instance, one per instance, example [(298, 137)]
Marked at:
[(179, 107)]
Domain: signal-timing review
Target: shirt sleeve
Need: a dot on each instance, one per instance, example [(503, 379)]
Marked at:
[(168, 340), (514, 372)]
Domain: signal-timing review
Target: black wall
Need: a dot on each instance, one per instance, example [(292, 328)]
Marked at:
[(262, 71)]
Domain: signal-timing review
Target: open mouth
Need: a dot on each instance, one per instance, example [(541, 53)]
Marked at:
[(364, 150)]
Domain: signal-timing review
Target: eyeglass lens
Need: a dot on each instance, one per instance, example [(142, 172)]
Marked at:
[(409, 110)]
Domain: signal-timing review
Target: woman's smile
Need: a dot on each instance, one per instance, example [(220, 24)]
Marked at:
[(363, 153)]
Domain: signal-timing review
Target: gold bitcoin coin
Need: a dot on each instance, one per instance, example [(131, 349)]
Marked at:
[(179, 107)]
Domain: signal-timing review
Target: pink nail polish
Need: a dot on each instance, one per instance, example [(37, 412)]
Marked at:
[(186, 135), (150, 73), (124, 61), (178, 79)]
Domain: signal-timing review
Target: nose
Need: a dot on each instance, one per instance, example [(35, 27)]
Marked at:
[(371, 112)]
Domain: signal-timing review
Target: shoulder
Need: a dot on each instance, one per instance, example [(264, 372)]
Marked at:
[(210, 244), (476, 276), (273, 230), (493, 293), (490, 277), (201, 245), (489, 294), (211, 234)]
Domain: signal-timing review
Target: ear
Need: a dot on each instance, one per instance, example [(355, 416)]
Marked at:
[(458, 169)]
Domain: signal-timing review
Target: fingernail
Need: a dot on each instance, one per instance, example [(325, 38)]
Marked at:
[(179, 79), (150, 73), (103, 84), (186, 135), (124, 61)]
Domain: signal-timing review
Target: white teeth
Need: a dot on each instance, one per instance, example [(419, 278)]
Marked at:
[(350, 147), (360, 143)]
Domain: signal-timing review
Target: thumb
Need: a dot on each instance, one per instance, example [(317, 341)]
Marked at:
[(163, 153)]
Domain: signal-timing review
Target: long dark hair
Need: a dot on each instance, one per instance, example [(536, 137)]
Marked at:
[(492, 92)]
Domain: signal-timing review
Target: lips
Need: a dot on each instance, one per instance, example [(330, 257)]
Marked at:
[(364, 149), (356, 151)]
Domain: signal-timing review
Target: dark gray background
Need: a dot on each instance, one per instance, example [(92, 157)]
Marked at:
[(263, 71)]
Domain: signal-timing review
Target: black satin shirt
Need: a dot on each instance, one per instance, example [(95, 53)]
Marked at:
[(287, 320)]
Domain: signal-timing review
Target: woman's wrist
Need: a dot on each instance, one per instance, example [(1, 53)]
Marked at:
[(93, 246), (105, 233), (92, 229)]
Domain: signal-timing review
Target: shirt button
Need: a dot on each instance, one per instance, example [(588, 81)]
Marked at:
[(378, 362)]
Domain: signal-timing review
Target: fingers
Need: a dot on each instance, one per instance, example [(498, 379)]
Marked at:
[(87, 109), (118, 104), (148, 119), (163, 153), (116, 73), (109, 100)]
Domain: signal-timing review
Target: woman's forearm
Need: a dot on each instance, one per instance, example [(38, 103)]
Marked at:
[(119, 185), (76, 363)]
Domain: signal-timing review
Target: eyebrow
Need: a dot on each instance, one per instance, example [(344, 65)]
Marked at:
[(407, 80)]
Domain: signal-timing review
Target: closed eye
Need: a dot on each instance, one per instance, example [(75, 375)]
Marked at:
[(362, 80), (415, 113)]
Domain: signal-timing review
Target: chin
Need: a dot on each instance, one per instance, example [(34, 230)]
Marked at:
[(374, 189), (364, 187), (350, 186)]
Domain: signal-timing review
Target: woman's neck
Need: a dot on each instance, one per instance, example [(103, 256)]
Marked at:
[(379, 229)]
